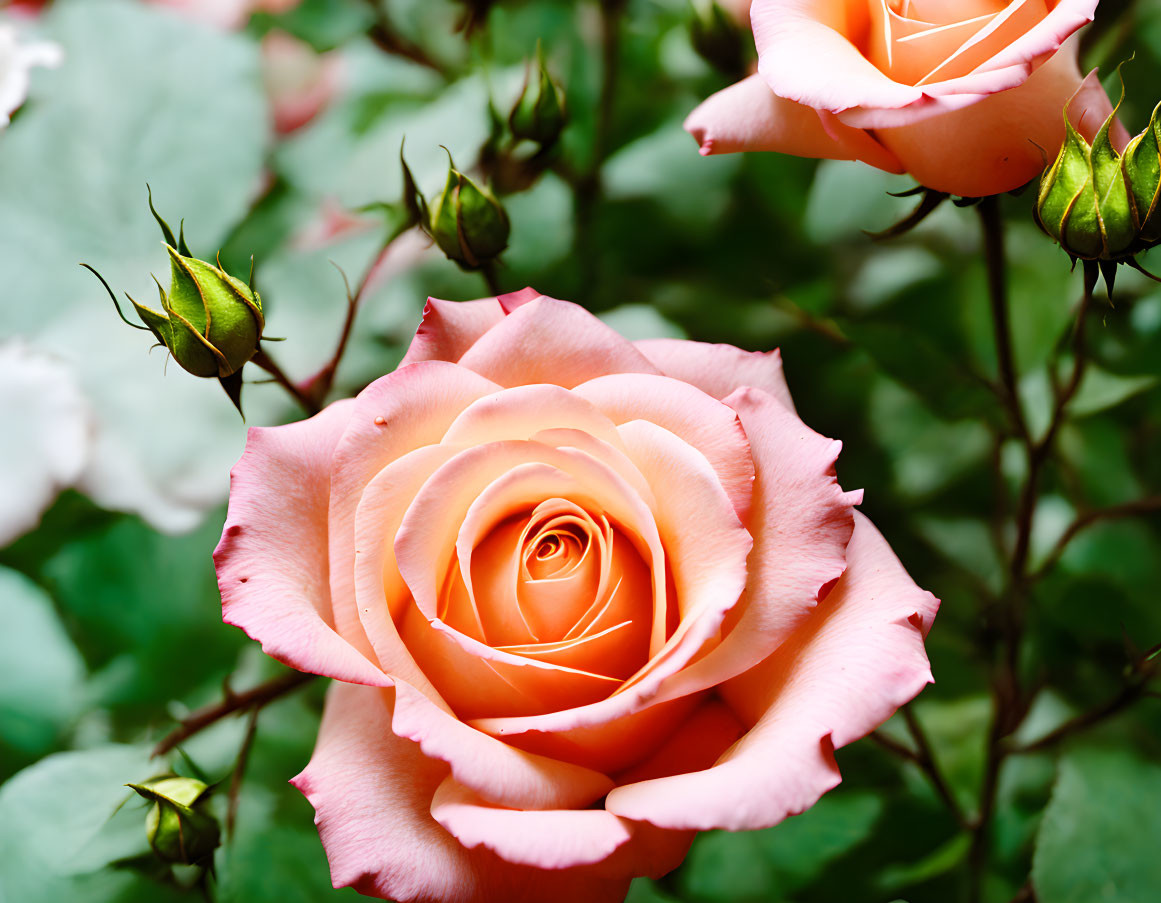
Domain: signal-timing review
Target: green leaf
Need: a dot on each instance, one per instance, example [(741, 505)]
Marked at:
[(146, 610), (1102, 390), (41, 672), (910, 358), (1098, 840), (60, 827), (771, 864)]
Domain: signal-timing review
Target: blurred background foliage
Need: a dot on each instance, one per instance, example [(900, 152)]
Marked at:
[(111, 626)]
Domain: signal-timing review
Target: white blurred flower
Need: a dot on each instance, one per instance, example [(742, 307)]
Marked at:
[(47, 428), (17, 58)]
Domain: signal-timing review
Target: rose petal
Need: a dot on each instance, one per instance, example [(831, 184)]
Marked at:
[(718, 369), (449, 328), (497, 771), (690, 414), (547, 838), (697, 744), (842, 673), (1001, 142), (372, 793), (748, 116), (704, 541), (272, 559), (396, 414), (550, 341), (806, 54), (611, 846), (802, 521)]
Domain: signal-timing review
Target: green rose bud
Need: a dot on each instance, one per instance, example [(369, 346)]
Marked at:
[(211, 323), (717, 38), (467, 222), (179, 828), (1084, 201), (538, 114), (1141, 165)]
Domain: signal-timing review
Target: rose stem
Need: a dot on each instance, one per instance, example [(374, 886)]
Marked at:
[(383, 34), (488, 271), (240, 770), (233, 703), (1010, 704), (267, 363)]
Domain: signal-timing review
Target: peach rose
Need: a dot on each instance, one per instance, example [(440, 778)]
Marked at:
[(581, 598), (965, 95)]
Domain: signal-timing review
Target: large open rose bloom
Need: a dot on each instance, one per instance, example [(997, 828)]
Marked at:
[(581, 598), (965, 95)]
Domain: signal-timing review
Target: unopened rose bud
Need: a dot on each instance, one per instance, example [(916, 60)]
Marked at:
[(717, 37), (1084, 202), (1141, 165), (211, 323), (467, 222), (539, 113), (179, 829)]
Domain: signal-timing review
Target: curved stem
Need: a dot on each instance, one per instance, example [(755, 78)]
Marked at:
[(1010, 699), (267, 363), (232, 704), (993, 234)]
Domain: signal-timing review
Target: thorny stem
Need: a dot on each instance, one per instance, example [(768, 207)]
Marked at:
[(1087, 519), (267, 363), (240, 770), (1129, 694), (1010, 701), (992, 224), (387, 39), (921, 756), (319, 386), (926, 761), (232, 704)]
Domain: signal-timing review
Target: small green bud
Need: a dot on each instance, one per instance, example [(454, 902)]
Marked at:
[(1141, 165), (717, 38), (179, 829), (467, 222), (538, 115), (1084, 202), (211, 323)]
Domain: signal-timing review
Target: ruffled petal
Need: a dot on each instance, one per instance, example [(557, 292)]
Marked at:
[(272, 559), (553, 839), (802, 521), (690, 414), (497, 771), (403, 411), (718, 369), (806, 54), (1001, 142), (550, 341), (372, 794), (748, 116), (449, 328), (842, 673)]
